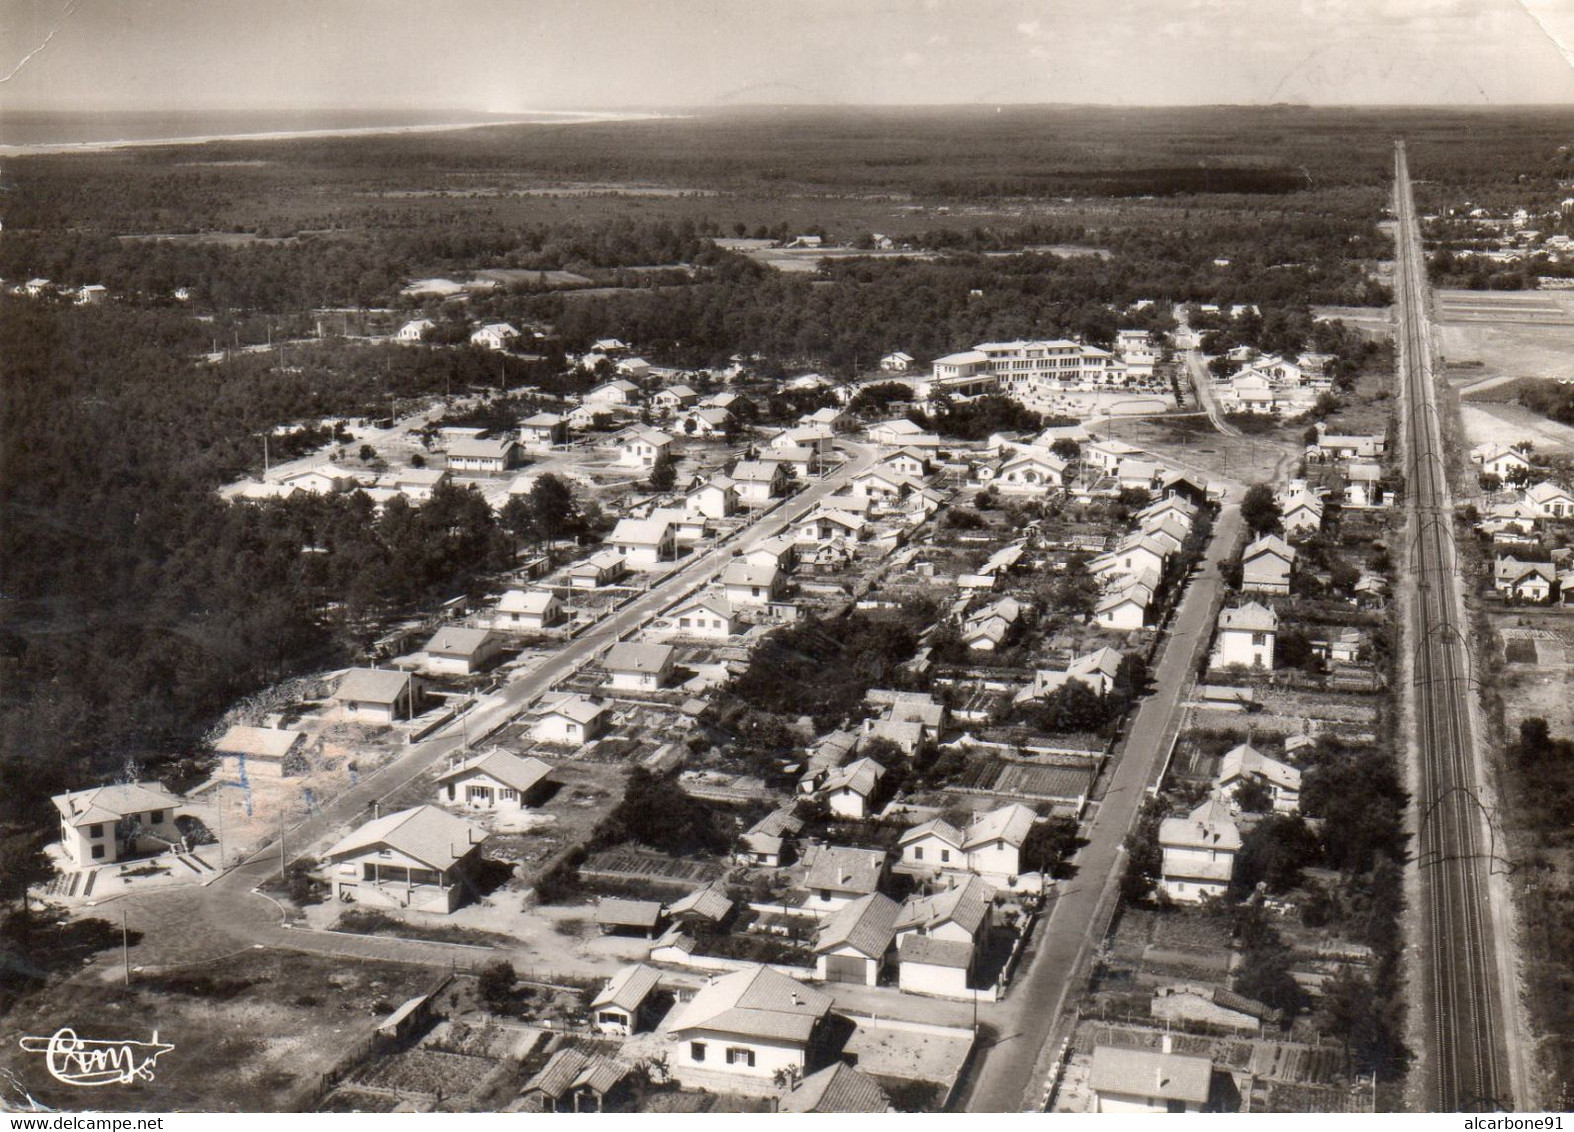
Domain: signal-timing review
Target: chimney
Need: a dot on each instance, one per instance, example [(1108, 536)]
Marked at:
[(1169, 1044)]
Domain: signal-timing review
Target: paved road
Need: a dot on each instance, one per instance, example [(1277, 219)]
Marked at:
[(1462, 981), (226, 914), (1009, 1077)]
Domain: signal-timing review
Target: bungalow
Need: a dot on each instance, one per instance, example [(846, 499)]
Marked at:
[(1333, 447), (716, 498), (637, 667), (1133, 556), (935, 844), (1550, 500), (609, 346), (882, 484), (600, 569), (911, 463), (489, 456), (268, 752), (707, 422), (1301, 513), (1124, 609), (420, 483), (414, 332), (105, 824), (378, 695), (894, 434), (1266, 565), (612, 394), (1529, 582), (644, 448), (933, 966), (898, 362), (707, 616), (462, 651), (855, 943), (839, 875), (1032, 471), (622, 1007), (747, 584), (644, 544), (1246, 637), (574, 1080), (1138, 475), (674, 398), (496, 780), (528, 610), (418, 859), (768, 841), (1198, 852), (847, 790), (704, 906), (1148, 1080), (494, 336), (759, 481), (836, 1088), (543, 430), (91, 293), (825, 526), (1106, 455), (637, 368), (993, 842), (1245, 763), (323, 479), (741, 1031), (571, 721), (803, 462)]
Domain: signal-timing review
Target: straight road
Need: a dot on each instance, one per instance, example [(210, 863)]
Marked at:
[(1461, 979), (1202, 383), (1007, 1078)]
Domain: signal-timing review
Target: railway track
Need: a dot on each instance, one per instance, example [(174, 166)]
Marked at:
[(1461, 992)]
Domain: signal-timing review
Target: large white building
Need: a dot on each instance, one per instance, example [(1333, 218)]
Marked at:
[(1023, 369)]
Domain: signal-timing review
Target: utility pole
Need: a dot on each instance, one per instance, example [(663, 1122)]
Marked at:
[(125, 949), (265, 464), (281, 841)]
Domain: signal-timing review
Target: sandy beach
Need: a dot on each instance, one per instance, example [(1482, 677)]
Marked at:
[(536, 118)]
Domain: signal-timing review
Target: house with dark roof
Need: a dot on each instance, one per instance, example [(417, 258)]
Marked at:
[(105, 824), (462, 651), (941, 936), (635, 666), (617, 916), (574, 1080), (418, 859), (836, 1088), (769, 842), (496, 780), (855, 943), (740, 1030), (622, 1006)]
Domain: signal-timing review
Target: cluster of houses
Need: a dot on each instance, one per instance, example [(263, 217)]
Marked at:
[(1355, 461), (1131, 572), (1528, 530), (39, 288), (1266, 384)]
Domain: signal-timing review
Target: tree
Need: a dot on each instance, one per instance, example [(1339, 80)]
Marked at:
[(663, 474), (552, 508), (518, 518), (1144, 858), (1049, 847), (1253, 796), (1067, 449), (1260, 510), (496, 982), (657, 812), (1264, 974)]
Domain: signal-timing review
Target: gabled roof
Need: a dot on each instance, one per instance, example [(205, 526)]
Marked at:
[(640, 532), (627, 988), (1245, 760), (1010, 824), (756, 471), (714, 603), (1105, 661), (934, 827), (522, 774), (861, 777), (600, 561), (965, 905), (110, 803), (935, 952), (580, 709), (836, 1088), (571, 1068), (455, 640), (867, 925), (1209, 826), (648, 435), (373, 685), (637, 656), (258, 742), (756, 1002), (527, 601), (1151, 1073), (708, 903), (837, 868), (1251, 618), (618, 912), (1269, 544), (427, 834), (741, 572), (476, 448)]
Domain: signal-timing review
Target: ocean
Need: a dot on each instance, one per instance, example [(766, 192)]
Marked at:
[(23, 130)]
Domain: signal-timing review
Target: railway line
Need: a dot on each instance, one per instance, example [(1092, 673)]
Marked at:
[(1460, 988)]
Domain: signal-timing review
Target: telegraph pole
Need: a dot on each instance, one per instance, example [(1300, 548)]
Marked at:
[(281, 840), (125, 949)]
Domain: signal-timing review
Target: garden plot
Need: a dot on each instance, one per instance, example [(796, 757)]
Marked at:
[(624, 864), (426, 1072)]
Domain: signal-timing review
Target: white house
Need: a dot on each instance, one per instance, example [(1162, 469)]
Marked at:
[(941, 936), (1245, 762), (378, 695), (895, 433), (766, 842), (267, 752), (488, 455), (420, 483), (1550, 500), (855, 943), (644, 544), (496, 780), (825, 526), (707, 616), (759, 481), (674, 398), (1124, 609), (741, 1030), (993, 842), (716, 498), (612, 394), (600, 569), (749, 584), (847, 790), (323, 479), (527, 610), (634, 367), (1127, 1080), (897, 362), (621, 1007), (1198, 852), (638, 667), (839, 875), (570, 721), (1301, 513), (935, 844), (413, 332), (543, 430), (644, 447), (462, 651), (1266, 566), (1500, 461), (1031, 471), (1096, 669), (711, 421), (105, 824), (1246, 636), (417, 859), (494, 336)]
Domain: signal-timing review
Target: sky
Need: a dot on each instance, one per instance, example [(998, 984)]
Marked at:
[(501, 56)]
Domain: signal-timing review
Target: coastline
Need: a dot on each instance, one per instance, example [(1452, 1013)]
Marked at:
[(539, 118)]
